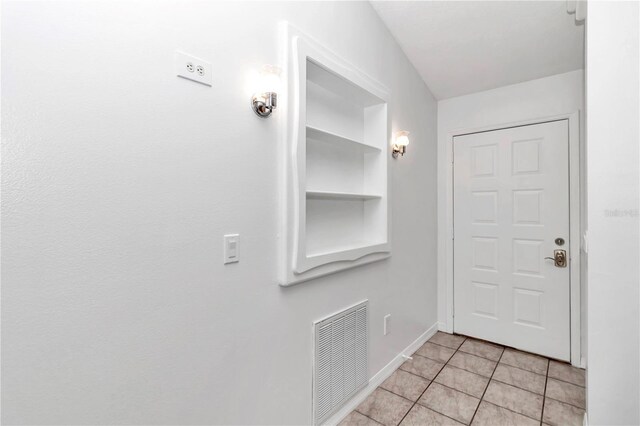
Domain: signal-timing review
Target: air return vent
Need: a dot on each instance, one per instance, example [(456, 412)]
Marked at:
[(341, 359)]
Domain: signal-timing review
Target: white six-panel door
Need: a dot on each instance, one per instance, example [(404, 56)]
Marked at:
[(511, 202)]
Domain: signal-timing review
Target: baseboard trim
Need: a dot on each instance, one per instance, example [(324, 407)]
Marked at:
[(380, 377)]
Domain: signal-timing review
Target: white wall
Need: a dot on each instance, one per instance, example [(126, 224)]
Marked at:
[(119, 181), (542, 98), (612, 73)]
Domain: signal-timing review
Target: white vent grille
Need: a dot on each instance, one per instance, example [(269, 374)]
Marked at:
[(341, 359)]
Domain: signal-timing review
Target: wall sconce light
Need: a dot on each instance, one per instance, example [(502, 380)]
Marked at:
[(264, 102), (400, 145)]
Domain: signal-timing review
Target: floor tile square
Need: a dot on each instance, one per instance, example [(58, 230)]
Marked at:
[(356, 419), (526, 361), (566, 372), (422, 366), (436, 352), (558, 413), (384, 407), (492, 415), (473, 363), (449, 340), (462, 380), (484, 349), (405, 384), (422, 416), (451, 403), (514, 399), (520, 378), (566, 392)]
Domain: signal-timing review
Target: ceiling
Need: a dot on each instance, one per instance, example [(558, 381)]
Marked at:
[(462, 47)]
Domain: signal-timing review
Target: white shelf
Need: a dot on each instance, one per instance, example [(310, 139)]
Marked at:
[(352, 251), (342, 85), (326, 136), (334, 195)]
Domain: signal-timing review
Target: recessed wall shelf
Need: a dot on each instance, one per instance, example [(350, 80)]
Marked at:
[(332, 195), (335, 163), (323, 135)]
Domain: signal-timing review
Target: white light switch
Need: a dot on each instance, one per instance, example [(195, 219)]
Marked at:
[(231, 248)]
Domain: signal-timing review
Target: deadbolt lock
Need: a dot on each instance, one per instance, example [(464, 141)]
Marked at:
[(560, 241), (559, 258)]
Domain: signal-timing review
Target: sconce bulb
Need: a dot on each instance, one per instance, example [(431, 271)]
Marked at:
[(402, 140), (266, 100), (400, 144)]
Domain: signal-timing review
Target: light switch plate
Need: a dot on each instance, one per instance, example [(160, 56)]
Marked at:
[(192, 68), (231, 248)]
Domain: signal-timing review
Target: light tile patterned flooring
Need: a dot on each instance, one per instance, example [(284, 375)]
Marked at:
[(455, 380)]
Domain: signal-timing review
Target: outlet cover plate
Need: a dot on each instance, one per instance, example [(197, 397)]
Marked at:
[(387, 320), (193, 68)]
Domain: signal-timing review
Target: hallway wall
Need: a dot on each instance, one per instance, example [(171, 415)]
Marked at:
[(613, 155), (119, 180)]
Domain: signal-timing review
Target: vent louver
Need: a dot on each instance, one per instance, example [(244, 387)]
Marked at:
[(341, 359)]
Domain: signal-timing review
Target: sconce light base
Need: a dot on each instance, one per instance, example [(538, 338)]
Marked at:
[(398, 149), (264, 104)]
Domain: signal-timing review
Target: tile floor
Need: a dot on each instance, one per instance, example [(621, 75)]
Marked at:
[(455, 380)]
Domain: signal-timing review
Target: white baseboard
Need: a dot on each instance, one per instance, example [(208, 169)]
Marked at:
[(380, 377)]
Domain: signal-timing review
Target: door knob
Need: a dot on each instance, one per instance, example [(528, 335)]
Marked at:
[(559, 258)]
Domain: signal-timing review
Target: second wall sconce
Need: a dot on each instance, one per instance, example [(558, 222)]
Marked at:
[(266, 100), (400, 144)]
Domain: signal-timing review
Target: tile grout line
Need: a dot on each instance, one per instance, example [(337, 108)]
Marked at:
[(564, 381), (474, 372), (370, 418), (518, 387), (566, 403), (509, 409), (544, 396), (459, 391), (397, 394), (448, 347), (430, 383), (413, 374), (485, 389), (480, 356)]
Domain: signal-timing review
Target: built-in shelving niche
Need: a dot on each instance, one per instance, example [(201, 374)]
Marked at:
[(337, 139)]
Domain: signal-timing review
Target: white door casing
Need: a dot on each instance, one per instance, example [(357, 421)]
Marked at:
[(511, 201)]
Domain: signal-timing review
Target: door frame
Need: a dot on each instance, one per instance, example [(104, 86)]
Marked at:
[(575, 224)]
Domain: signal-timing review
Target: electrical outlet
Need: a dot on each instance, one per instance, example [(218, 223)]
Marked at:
[(387, 320), (193, 68)]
